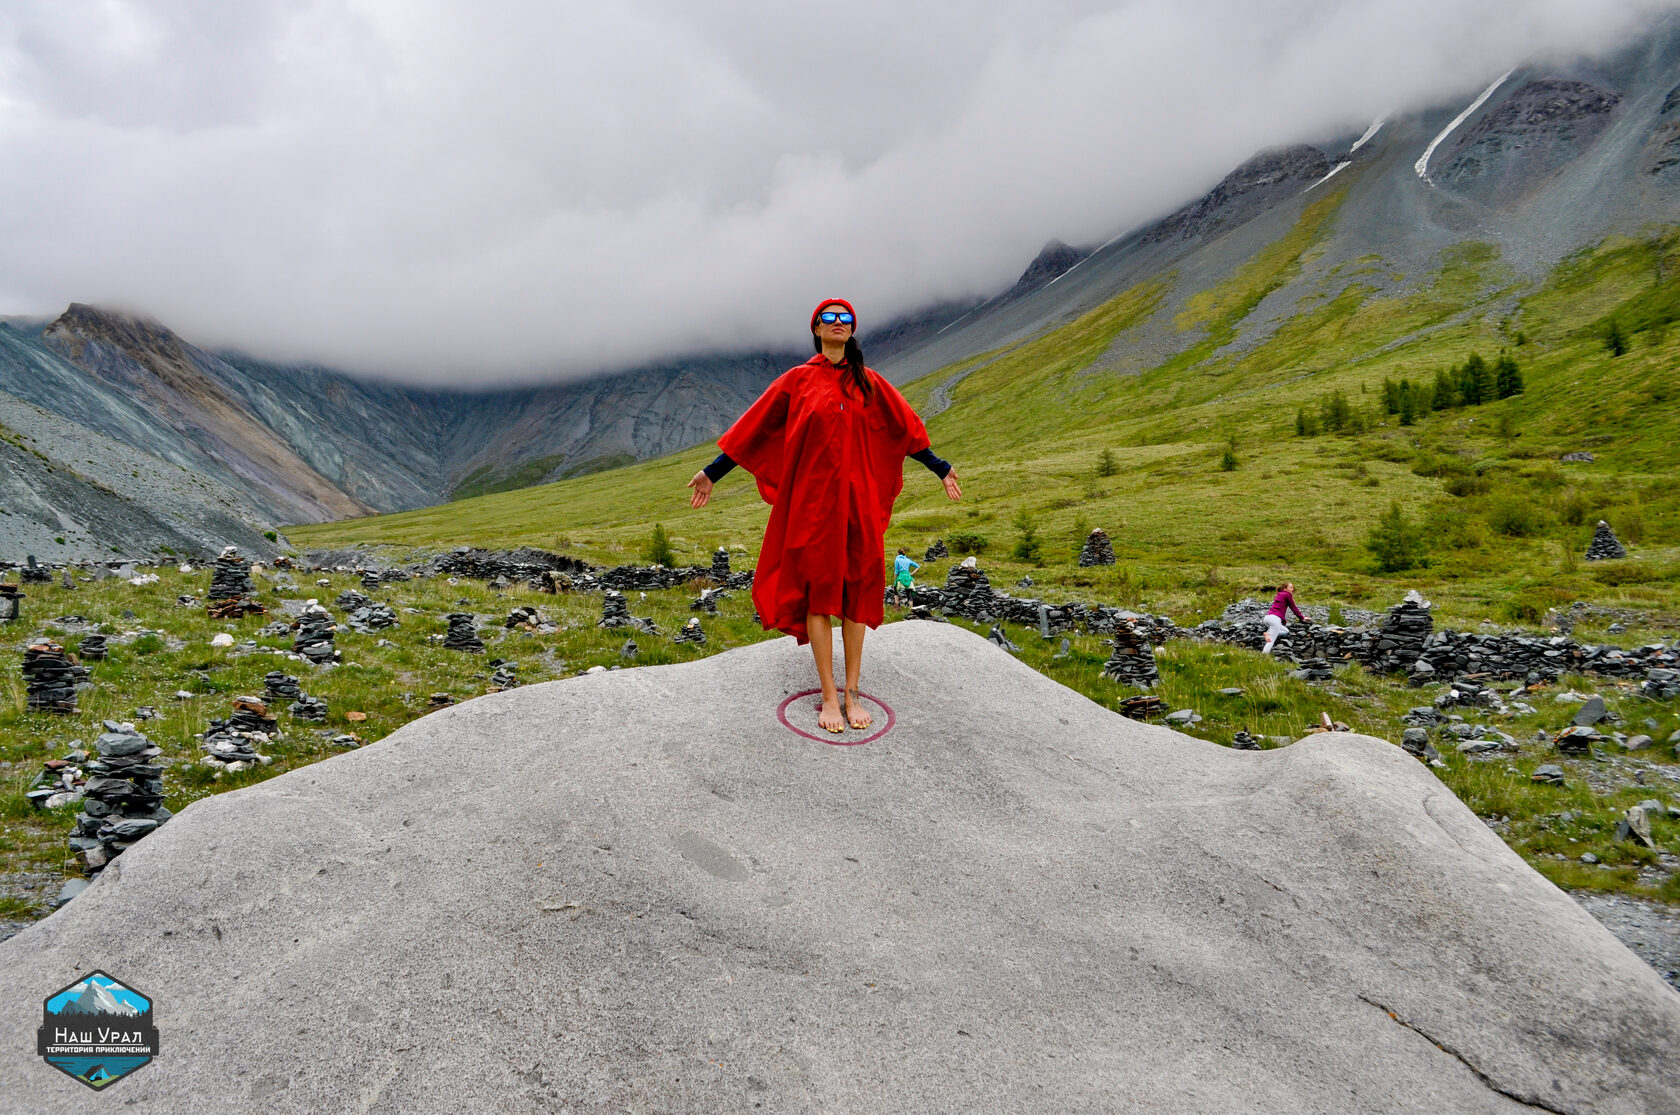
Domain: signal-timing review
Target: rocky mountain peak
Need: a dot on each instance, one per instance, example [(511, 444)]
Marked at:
[(1252, 187), (1054, 260)]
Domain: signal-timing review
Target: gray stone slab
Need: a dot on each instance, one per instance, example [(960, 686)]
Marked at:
[(661, 900)]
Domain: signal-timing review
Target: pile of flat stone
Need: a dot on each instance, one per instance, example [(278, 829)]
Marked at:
[(523, 564), (650, 578), (504, 676), (439, 700), (1661, 685), (936, 551), (349, 600), (1400, 640), (1245, 741), (690, 632), (11, 603), (1142, 708), (279, 686), (708, 600), (231, 751), (122, 800), (997, 638), (50, 678), (315, 633), (1097, 549), (93, 648), (370, 580), (311, 709), (372, 617), (250, 714), (1313, 669), (968, 591), (1133, 659), (232, 593), (615, 610), (462, 633), (720, 565), (1604, 545), (526, 618), (65, 582), (30, 573), (60, 781)]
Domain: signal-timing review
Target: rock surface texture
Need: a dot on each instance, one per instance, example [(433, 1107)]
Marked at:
[(1009, 900)]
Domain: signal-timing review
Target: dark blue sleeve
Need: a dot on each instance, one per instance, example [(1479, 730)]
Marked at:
[(938, 466), (719, 468)]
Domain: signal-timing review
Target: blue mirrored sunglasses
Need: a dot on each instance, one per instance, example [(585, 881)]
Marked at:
[(829, 317)]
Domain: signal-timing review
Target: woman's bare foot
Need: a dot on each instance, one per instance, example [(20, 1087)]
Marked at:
[(856, 715), (829, 719)]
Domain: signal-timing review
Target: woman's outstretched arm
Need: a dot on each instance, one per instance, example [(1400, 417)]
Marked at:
[(706, 477), (940, 468)]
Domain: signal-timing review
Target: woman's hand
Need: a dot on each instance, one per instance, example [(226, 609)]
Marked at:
[(951, 488), (702, 485)]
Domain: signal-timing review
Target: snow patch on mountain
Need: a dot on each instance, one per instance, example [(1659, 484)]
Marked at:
[(1422, 164)]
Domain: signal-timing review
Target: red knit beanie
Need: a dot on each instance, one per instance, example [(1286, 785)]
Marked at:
[(834, 302)]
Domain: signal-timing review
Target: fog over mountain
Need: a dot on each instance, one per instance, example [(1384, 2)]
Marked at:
[(528, 191)]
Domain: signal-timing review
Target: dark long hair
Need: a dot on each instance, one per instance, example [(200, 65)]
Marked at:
[(853, 363)]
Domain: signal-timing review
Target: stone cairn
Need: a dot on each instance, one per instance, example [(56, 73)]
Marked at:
[(311, 709), (122, 799), (1133, 660), (33, 574), (936, 551), (372, 617), (1399, 640), (1661, 685), (314, 638), (1245, 741), (527, 618), (279, 686), (370, 580), (708, 600), (249, 715), (50, 677), (65, 582), (690, 632), (505, 676), (1097, 549), (720, 565), (229, 750), (92, 648), (1604, 546), (61, 780), (232, 593), (462, 635), (1143, 707), (968, 589), (349, 600), (11, 603), (615, 610), (1314, 669)]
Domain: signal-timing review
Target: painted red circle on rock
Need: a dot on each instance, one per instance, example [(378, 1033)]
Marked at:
[(848, 738)]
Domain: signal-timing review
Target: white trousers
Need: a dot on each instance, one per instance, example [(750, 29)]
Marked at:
[(1274, 628)]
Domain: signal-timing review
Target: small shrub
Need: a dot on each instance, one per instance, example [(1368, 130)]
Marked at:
[(1107, 465), (1468, 484), (1026, 545), (272, 536), (1228, 462), (1396, 542), (1615, 341), (658, 549), (1334, 619), (967, 542), (148, 644), (1514, 517)]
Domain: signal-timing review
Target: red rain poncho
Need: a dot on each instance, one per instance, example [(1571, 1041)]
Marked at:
[(829, 463)]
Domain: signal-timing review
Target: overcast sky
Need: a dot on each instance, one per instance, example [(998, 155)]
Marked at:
[(452, 192)]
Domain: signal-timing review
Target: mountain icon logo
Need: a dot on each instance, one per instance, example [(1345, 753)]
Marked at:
[(97, 1030)]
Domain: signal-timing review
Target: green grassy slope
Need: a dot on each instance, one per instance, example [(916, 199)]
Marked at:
[(1026, 430)]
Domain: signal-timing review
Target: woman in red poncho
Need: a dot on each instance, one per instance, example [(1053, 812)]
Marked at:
[(826, 443)]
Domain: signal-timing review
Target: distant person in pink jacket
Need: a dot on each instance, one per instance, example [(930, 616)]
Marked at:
[(1281, 605)]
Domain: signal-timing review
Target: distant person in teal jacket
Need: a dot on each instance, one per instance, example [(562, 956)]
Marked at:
[(902, 581)]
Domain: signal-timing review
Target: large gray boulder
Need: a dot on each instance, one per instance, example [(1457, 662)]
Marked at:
[(640, 891)]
